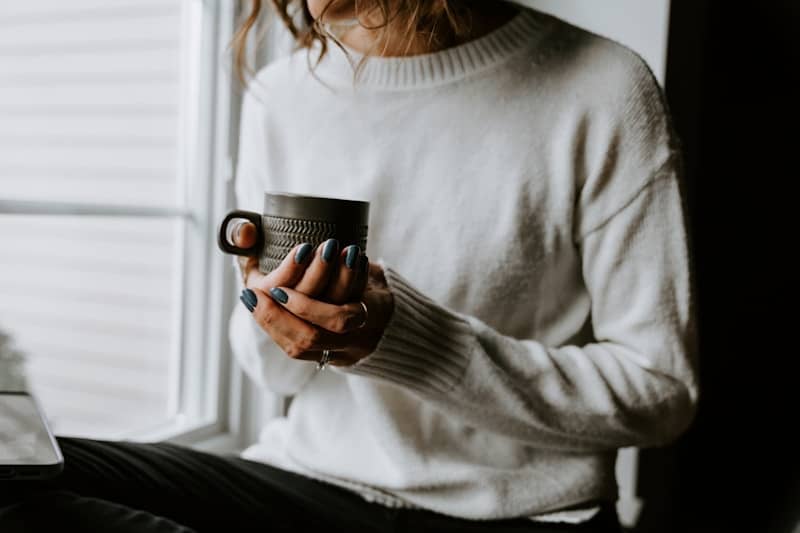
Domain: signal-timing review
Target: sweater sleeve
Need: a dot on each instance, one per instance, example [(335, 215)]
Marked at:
[(633, 385), (262, 359)]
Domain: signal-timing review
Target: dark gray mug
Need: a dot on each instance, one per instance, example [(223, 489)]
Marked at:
[(292, 219)]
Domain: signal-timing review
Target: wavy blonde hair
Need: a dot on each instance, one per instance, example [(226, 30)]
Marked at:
[(434, 22)]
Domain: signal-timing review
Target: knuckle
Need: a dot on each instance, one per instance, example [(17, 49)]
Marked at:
[(267, 317), (303, 345), (294, 350), (341, 321), (300, 307), (312, 338)]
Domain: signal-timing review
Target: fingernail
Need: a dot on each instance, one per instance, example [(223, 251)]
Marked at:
[(247, 304), (250, 298), (364, 264), (302, 253), (279, 295), (352, 256), (330, 250)]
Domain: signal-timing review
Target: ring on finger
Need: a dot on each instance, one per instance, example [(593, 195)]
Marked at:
[(326, 358), (366, 315)]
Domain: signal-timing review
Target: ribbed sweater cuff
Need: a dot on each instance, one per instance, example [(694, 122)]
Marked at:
[(425, 347)]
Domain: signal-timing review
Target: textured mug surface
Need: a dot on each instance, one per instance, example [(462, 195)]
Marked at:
[(283, 234), (291, 219)]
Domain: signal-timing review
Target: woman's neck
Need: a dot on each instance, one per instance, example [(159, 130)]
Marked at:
[(366, 41)]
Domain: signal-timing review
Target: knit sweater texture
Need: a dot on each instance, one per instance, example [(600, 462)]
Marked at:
[(527, 208)]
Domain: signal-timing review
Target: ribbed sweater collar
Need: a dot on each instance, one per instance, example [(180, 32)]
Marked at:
[(438, 68)]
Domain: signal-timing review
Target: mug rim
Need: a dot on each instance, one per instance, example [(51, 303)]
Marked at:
[(320, 208)]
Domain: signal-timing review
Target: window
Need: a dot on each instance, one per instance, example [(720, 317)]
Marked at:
[(114, 164)]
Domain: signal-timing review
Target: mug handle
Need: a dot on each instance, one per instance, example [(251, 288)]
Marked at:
[(222, 239)]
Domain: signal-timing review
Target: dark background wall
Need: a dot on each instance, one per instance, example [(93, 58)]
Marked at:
[(732, 86)]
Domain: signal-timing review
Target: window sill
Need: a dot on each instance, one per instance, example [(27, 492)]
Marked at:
[(204, 437), (224, 443), (178, 430)]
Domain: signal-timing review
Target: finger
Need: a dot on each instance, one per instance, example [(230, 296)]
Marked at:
[(249, 265), (289, 272), (344, 276), (299, 339), (316, 276), (296, 337), (245, 235), (357, 291), (375, 271), (331, 317)]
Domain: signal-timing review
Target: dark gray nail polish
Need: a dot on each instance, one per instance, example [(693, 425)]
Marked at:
[(250, 297), (303, 253), (279, 295), (247, 304), (352, 255), (330, 250), (363, 265)]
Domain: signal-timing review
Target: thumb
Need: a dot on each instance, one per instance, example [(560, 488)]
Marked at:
[(244, 234)]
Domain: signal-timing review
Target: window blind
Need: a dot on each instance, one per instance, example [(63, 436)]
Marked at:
[(89, 112)]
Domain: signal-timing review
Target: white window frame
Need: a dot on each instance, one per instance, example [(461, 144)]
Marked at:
[(199, 408), (208, 144)]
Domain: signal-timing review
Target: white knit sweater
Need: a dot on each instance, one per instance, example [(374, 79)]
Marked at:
[(525, 206)]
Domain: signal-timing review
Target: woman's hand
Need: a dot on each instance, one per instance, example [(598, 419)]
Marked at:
[(303, 325), (328, 274), (346, 330)]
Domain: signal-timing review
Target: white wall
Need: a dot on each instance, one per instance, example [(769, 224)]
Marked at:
[(640, 24)]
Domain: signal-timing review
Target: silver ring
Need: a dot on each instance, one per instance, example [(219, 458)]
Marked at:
[(366, 315), (323, 362)]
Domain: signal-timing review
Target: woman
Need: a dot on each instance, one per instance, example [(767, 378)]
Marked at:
[(529, 311)]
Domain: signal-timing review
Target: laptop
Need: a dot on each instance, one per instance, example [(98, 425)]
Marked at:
[(28, 449)]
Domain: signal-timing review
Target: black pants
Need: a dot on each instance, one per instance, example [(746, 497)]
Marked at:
[(135, 487)]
